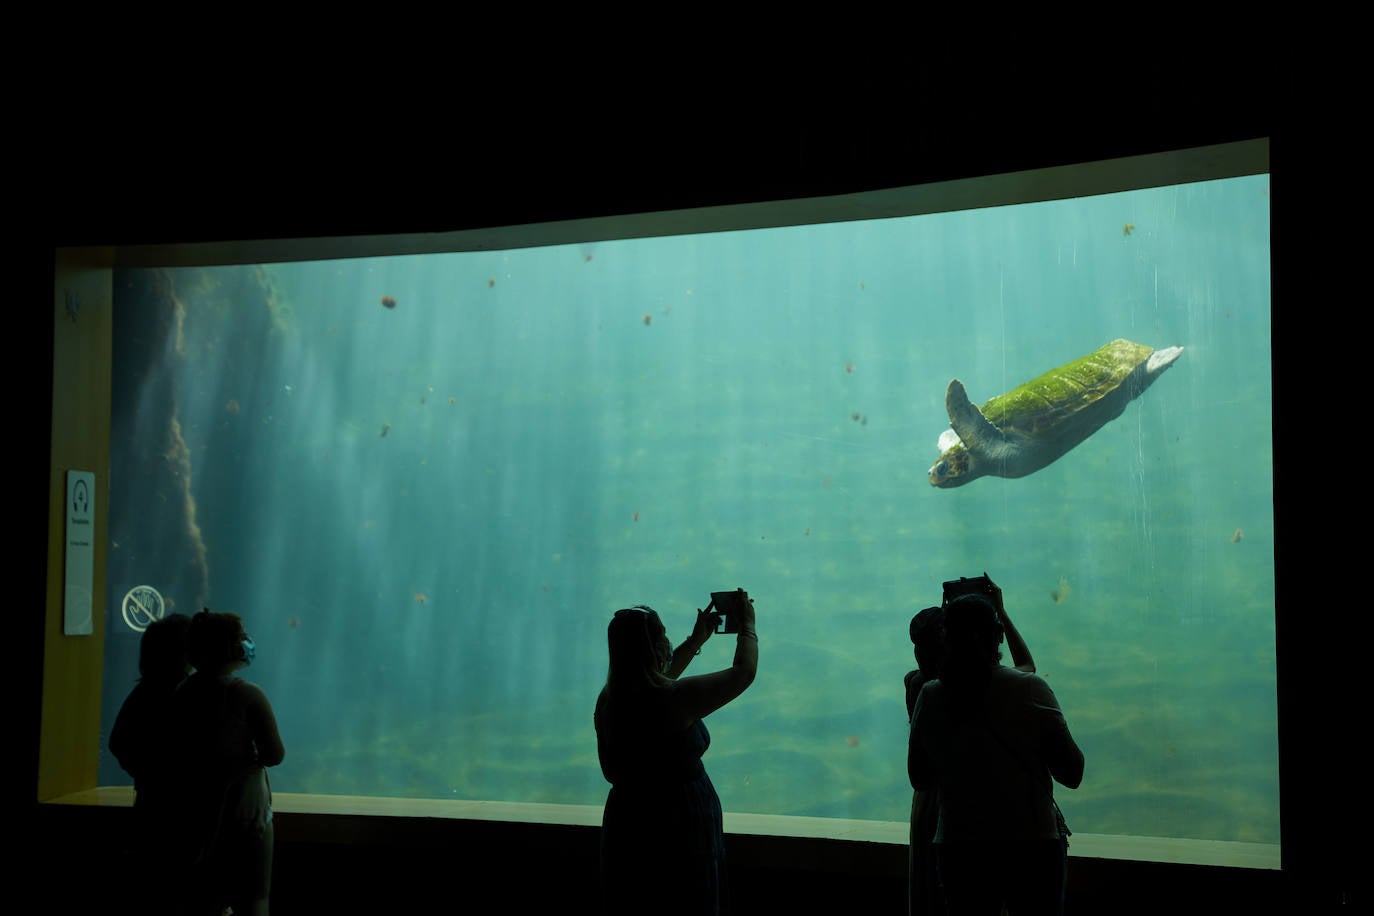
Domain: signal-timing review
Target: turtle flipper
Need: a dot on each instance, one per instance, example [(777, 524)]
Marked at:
[(979, 436), (1161, 360)]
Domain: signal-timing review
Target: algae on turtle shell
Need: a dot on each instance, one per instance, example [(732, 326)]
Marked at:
[(1034, 424)]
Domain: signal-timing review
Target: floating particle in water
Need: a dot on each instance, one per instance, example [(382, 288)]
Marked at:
[(1128, 229), (635, 517), (421, 597), (422, 399), (854, 416), (825, 482), (852, 741), (1238, 536), (648, 319), (849, 367), (1061, 593), (453, 401), (389, 301), (293, 622), (491, 281), (806, 533), (386, 428), (232, 408)]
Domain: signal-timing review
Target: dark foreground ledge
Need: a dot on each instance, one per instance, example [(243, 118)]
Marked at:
[(340, 855)]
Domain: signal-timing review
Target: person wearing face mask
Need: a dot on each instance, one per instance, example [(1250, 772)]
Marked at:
[(662, 848), (226, 736)]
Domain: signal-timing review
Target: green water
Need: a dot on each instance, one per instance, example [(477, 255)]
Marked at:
[(426, 514)]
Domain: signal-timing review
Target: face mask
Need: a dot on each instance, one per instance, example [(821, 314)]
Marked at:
[(250, 649)]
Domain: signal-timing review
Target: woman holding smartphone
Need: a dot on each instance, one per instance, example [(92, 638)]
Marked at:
[(662, 848)]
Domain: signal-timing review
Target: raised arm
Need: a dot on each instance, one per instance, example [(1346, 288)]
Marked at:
[(1020, 652), (698, 696), (691, 647)]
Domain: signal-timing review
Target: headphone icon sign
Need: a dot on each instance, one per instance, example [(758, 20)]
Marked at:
[(81, 498)]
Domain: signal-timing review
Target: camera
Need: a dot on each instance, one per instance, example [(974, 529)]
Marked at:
[(978, 585), (729, 605)]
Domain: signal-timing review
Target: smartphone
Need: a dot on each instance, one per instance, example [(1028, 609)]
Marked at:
[(729, 605), (978, 585)]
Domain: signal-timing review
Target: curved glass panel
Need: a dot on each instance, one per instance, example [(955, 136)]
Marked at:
[(427, 481)]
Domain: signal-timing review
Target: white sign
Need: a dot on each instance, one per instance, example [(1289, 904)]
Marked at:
[(78, 589)]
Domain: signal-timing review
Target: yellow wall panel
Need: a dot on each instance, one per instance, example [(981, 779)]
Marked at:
[(72, 665)]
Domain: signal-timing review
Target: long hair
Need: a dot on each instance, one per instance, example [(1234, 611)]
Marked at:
[(630, 637)]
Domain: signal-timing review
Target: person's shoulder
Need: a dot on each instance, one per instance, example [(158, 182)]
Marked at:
[(1028, 684), (932, 687), (248, 690), (1028, 679)]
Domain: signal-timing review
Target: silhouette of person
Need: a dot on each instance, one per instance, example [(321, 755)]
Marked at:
[(988, 739), (227, 736), (140, 741), (662, 847), (924, 897), (923, 886)]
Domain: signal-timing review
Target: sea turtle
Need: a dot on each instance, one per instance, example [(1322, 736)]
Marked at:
[(1031, 426)]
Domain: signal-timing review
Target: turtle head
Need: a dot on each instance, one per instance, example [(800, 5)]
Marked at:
[(954, 469)]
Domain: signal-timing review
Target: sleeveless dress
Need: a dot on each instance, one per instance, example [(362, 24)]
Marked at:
[(662, 847)]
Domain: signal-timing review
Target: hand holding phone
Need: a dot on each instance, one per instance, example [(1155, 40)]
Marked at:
[(978, 585), (733, 608)]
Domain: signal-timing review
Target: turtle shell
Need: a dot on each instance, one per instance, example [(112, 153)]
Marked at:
[(1063, 397)]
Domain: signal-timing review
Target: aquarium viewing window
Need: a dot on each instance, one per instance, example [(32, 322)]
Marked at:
[(425, 472)]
